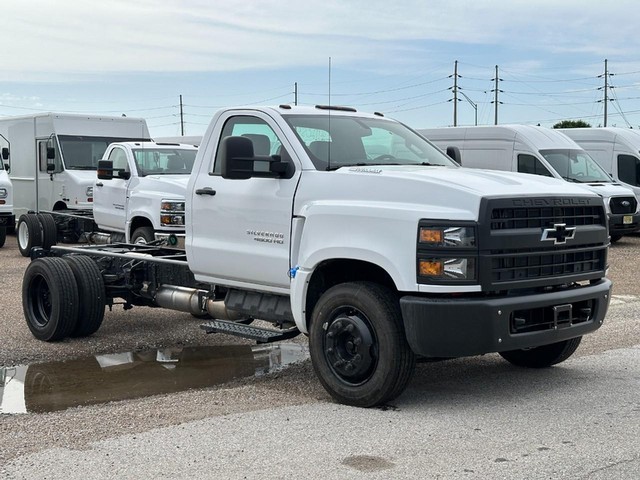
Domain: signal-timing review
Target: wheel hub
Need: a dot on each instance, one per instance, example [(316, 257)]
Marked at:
[(348, 348)]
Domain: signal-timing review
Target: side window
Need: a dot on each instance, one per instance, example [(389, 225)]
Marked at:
[(119, 159), (629, 169), (264, 139), (530, 164)]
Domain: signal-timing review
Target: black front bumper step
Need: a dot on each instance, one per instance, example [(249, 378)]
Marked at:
[(260, 335)]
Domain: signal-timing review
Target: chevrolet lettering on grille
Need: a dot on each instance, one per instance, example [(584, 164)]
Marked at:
[(558, 234)]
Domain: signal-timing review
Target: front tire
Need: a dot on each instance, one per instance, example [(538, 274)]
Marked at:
[(544, 356), (50, 299), (358, 346), (143, 235)]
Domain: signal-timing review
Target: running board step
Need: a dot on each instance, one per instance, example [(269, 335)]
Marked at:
[(260, 335)]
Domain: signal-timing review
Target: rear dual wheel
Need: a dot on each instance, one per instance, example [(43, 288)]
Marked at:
[(36, 230), (63, 297)]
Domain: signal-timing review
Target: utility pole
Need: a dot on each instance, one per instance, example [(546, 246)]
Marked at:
[(181, 118), (295, 93), (606, 88), (496, 90), (455, 93)]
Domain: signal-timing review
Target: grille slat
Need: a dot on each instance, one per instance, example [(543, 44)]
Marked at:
[(543, 217)]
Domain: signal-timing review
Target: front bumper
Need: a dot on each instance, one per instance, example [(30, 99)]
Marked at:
[(622, 224), (458, 327)]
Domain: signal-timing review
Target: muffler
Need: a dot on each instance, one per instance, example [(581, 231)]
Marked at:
[(194, 301)]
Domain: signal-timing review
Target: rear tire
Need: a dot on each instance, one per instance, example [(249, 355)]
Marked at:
[(358, 346), (49, 230), (29, 233), (143, 235), (92, 294), (543, 357), (50, 299), (3, 236)]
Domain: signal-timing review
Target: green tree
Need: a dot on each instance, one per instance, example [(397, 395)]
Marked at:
[(572, 124)]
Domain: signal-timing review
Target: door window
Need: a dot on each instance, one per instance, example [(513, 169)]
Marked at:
[(530, 164), (119, 158)]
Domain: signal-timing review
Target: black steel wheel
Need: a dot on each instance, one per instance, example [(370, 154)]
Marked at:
[(92, 294), (142, 235), (358, 346), (50, 299), (49, 230), (3, 236), (542, 357), (29, 233)]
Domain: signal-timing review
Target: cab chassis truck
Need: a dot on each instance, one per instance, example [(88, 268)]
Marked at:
[(354, 230)]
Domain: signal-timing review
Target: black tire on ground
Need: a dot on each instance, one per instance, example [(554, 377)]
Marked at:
[(29, 233), (3, 236), (143, 235), (542, 357), (615, 238), (49, 230), (50, 299), (92, 294), (358, 346)]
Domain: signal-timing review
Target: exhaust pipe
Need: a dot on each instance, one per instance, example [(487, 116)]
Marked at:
[(194, 301)]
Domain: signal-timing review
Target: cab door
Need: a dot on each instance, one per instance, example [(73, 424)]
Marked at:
[(241, 229), (111, 196)]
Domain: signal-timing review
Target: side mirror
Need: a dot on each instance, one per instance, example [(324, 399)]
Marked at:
[(5, 153), (51, 167), (454, 154), (7, 167), (239, 163), (51, 154), (105, 169), (123, 174)]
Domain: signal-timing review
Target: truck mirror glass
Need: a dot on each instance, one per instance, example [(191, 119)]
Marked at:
[(124, 174), (237, 160), (51, 153), (105, 169), (5, 153)]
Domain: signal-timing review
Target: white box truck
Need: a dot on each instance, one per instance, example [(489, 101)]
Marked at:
[(540, 151), (354, 230), (54, 156), (616, 149)]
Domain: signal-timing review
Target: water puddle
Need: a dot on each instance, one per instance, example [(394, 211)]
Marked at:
[(48, 387)]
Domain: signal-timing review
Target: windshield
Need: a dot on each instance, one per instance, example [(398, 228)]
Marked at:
[(348, 141), (164, 161), (83, 153), (576, 166)]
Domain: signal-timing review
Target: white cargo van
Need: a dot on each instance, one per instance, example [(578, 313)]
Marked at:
[(541, 151), (617, 150), (54, 156)]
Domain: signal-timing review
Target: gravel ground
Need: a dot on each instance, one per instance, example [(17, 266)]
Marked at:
[(143, 329)]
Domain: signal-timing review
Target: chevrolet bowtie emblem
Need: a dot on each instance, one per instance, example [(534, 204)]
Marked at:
[(558, 234)]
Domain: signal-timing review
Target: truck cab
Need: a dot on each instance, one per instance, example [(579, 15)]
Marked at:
[(7, 219), (140, 190)]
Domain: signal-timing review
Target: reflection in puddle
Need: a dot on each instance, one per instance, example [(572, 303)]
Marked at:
[(47, 387)]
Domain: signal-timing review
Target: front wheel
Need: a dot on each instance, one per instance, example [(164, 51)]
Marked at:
[(542, 357), (142, 235), (358, 346)]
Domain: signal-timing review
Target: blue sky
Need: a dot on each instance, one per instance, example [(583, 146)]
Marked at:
[(137, 56)]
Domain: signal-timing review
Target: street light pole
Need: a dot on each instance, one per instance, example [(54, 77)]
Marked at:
[(474, 105)]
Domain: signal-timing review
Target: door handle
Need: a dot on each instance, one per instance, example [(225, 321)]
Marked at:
[(205, 191), (99, 184)]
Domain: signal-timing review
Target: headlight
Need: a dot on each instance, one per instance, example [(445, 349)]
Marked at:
[(3, 193), (89, 192), (447, 253), (172, 206), (442, 236), (172, 212)]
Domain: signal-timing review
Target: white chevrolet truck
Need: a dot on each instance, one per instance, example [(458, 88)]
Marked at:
[(354, 230), (139, 197), (7, 218)]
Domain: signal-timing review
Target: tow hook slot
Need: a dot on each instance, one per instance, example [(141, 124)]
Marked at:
[(562, 315)]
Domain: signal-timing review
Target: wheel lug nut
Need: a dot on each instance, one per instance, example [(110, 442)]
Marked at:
[(331, 334), (338, 363), (357, 358), (349, 367), (349, 328), (330, 350), (357, 341)]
